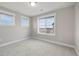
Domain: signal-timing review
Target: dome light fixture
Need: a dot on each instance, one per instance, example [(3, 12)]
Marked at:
[(33, 3)]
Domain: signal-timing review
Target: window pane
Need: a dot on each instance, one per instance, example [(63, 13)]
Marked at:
[(42, 23), (47, 25), (6, 19), (24, 22), (49, 22)]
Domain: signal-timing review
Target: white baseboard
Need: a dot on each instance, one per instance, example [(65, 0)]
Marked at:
[(12, 42), (58, 43)]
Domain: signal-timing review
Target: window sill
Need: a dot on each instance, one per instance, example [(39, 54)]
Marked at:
[(47, 34)]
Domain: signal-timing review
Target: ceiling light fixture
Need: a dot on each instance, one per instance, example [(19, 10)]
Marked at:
[(32, 3)]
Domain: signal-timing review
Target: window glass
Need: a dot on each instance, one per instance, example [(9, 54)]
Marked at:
[(47, 25), (6, 19), (24, 21)]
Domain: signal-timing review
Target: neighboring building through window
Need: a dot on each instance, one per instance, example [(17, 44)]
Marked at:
[(24, 21), (46, 25)]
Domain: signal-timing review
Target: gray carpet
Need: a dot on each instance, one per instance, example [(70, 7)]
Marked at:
[(33, 47)]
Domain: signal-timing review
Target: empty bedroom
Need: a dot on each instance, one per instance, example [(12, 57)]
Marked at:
[(39, 28)]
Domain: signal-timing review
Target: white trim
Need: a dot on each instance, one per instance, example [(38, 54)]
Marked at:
[(52, 14), (12, 42), (58, 43), (47, 34)]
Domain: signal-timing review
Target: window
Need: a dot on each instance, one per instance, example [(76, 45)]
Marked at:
[(6, 19), (46, 25), (24, 21)]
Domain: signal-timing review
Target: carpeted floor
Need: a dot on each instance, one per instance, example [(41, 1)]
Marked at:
[(33, 47)]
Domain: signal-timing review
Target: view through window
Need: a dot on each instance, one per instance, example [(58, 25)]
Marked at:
[(6, 19), (24, 21), (46, 25)]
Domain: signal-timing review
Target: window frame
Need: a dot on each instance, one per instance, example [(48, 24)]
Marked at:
[(38, 32), (26, 19), (3, 12)]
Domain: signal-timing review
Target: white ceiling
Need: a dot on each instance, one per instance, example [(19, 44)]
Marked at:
[(42, 7)]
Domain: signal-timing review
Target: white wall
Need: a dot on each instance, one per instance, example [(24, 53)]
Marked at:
[(13, 33), (77, 28), (64, 26)]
